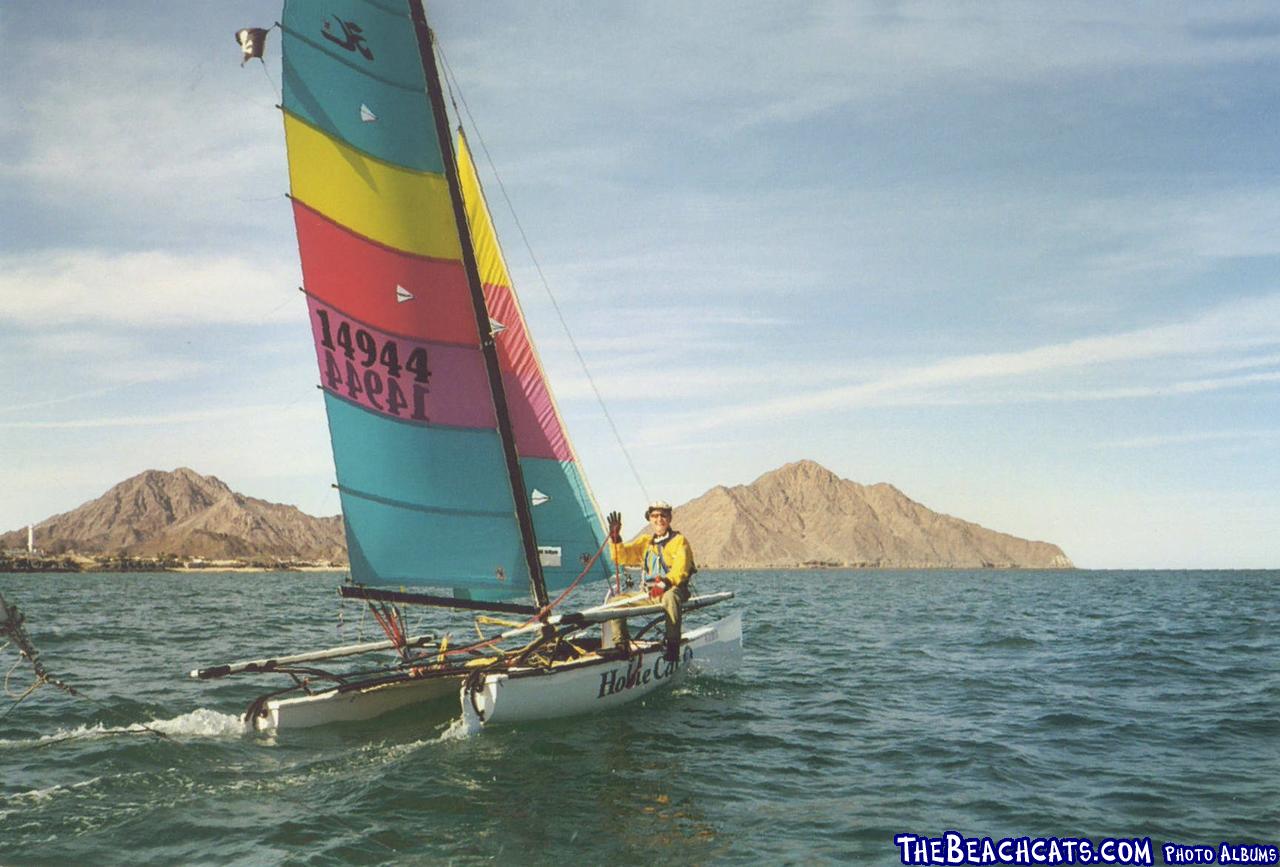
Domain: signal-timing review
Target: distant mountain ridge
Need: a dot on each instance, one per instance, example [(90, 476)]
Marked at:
[(188, 515), (804, 514), (800, 514)]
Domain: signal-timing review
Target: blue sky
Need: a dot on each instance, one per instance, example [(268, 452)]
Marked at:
[(1017, 259)]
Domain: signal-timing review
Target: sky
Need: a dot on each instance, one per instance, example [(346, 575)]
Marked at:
[(1017, 259)]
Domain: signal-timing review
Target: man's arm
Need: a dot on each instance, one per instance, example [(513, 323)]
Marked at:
[(629, 553), (622, 553), (681, 558)]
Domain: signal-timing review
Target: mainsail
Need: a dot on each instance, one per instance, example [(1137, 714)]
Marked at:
[(454, 469)]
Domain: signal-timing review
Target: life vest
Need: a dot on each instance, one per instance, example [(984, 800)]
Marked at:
[(654, 565)]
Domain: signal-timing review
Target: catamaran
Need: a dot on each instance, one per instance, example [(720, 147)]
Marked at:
[(458, 483)]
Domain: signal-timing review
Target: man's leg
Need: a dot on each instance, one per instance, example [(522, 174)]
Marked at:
[(671, 605)]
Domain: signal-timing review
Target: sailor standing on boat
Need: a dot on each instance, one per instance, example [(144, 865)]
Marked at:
[(667, 561)]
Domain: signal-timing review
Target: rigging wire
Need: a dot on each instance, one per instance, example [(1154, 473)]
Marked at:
[(586, 569), (12, 625), (451, 83), (275, 88)]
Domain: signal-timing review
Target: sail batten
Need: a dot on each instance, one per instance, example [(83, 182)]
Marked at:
[(434, 510), (402, 208), (318, 217), (361, 322)]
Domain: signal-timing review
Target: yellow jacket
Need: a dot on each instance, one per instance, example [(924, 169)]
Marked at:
[(672, 559)]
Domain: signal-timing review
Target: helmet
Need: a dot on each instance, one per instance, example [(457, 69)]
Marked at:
[(657, 506)]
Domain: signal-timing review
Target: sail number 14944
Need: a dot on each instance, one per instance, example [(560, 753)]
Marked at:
[(369, 370)]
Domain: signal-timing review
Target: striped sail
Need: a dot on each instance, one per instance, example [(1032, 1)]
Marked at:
[(565, 518), (424, 480)]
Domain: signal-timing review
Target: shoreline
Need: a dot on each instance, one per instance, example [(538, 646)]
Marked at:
[(142, 568), (90, 569)]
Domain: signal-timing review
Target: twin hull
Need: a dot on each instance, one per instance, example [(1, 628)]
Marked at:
[(566, 689), (361, 703)]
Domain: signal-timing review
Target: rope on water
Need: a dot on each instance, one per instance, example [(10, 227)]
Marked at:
[(12, 628)]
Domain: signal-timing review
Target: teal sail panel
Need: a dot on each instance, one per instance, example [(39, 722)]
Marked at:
[(426, 506), (352, 69), (389, 545), (565, 523)]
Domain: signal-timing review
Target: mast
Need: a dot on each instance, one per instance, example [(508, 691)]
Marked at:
[(490, 350)]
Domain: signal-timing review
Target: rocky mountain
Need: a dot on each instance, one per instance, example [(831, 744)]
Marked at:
[(799, 514), (803, 514), (188, 515)]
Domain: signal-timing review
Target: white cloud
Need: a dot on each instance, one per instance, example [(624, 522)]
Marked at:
[(1251, 322), (1011, 395), (1195, 437), (1244, 362), (151, 289), (1141, 242), (111, 128), (61, 399), (780, 64), (734, 389), (279, 453), (221, 414), (77, 340)]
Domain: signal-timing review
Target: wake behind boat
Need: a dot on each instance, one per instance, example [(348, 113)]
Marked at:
[(458, 482)]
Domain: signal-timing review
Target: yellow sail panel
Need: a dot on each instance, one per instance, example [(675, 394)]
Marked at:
[(493, 270), (403, 209)]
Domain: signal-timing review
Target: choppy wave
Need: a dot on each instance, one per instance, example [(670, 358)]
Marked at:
[(463, 727), (50, 792), (868, 704), (199, 723)]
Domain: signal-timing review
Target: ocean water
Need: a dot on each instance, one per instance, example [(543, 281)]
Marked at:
[(870, 703)]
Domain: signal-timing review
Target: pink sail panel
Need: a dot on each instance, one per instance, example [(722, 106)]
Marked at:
[(396, 292), (410, 380), (536, 425)]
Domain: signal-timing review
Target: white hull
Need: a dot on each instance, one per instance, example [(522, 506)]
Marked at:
[(357, 704), (567, 689), (593, 684)]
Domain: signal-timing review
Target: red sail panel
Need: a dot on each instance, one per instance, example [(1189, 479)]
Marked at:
[(534, 420), (535, 423), (398, 377), (398, 293)]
